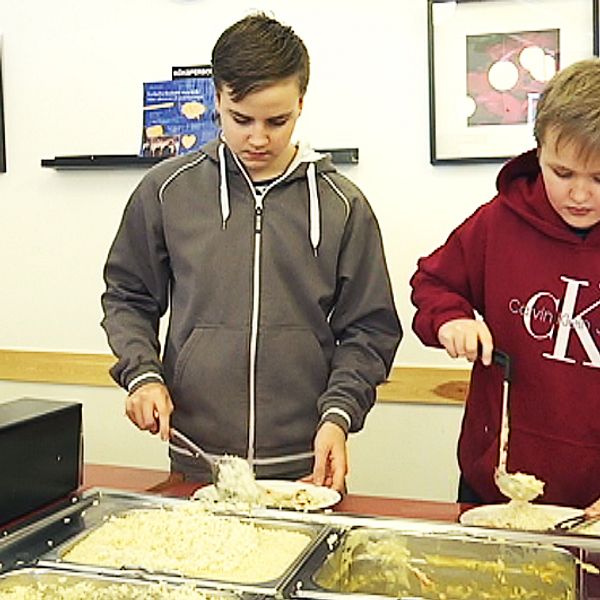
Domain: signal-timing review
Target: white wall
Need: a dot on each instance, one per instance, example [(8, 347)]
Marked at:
[(73, 73)]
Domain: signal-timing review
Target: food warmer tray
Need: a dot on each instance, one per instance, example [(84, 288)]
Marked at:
[(39, 544), (43, 542), (397, 564), (455, 552), (42, 581)]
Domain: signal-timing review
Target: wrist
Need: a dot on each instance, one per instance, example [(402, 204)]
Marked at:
[(338, 417), (142, 379)]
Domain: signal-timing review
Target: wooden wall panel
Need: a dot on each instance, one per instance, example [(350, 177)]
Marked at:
[(406, 384)]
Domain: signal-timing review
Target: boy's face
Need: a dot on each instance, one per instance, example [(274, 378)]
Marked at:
[(258, 128), (572, 185)]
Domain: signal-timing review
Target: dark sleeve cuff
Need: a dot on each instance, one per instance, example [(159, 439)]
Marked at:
[(140, 380), (337, 416)]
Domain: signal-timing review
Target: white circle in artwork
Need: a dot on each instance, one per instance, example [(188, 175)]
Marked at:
[(540, 65), (531, 57), (469, 106), (546, 70), (503, 75)]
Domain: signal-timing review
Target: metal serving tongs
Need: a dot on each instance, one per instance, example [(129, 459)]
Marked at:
[(231, 475), (515, 486), (196, 451), (573, 522)]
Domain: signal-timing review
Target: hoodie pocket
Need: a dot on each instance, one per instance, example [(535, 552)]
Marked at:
[(210, 387), (292, 372)]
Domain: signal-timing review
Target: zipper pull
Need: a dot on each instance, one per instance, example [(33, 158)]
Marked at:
[(258, 211)]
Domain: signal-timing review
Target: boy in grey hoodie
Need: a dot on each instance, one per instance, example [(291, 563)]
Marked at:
[(282, 321)]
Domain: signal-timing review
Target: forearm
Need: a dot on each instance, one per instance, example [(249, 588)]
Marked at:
[(137, 351), (361, 361), (136, 276), (437, 300)]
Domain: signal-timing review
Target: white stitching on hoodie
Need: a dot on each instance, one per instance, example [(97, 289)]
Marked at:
[(339, 192), (176, 173)]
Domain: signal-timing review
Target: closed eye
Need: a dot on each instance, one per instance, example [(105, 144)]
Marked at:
[(241, 120), (562, 173), (278, 121)]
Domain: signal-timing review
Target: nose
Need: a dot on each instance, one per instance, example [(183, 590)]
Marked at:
[(258, 136), (579, 191)]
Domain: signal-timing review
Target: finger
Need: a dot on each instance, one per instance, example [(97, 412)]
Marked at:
[(487, 345), (134, 411), (339, 471), (148, 418), (593, 510), (459, 344), (129, 407), (450, 346), (338, 480), (163, 418), (318, 474), (472, 345)]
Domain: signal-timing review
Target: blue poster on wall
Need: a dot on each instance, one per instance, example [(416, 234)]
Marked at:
[(179, 116)]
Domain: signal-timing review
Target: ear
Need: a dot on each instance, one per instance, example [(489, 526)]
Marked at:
[(218, 101), (300, 103)]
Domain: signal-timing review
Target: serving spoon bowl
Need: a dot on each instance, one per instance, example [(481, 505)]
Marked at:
[(522, 487)]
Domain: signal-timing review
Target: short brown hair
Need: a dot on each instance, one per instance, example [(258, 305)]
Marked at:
[(256, 52), (570, 108)]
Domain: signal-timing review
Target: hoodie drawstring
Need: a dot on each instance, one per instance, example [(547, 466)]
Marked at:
[(223, 191), (314, 208), (313, 197)]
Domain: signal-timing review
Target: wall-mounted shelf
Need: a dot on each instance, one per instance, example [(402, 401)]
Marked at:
[(347, 156)]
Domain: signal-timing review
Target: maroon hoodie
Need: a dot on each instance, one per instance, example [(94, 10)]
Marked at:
[(536, 283)]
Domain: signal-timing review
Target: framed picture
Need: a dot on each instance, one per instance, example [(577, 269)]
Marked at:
[(2, 148), (488, 63)]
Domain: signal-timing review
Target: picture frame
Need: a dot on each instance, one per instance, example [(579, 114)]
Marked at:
[(488, 62), (2, 145)]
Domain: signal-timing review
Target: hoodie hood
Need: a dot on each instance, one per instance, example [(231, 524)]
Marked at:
[(217, 148), (306, 164), (521, 189)]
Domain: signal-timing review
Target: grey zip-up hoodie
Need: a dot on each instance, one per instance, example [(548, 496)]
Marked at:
[(281, 310)]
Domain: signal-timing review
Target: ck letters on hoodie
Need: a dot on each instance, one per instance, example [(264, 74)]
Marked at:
[(550, 317)]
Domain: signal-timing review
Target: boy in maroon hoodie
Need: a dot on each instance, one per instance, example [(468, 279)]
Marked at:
[(522, 275)]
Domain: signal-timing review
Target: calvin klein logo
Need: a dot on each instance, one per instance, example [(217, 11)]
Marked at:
[(561, 322)]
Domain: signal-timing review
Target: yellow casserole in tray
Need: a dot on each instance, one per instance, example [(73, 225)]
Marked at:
[(443, 567)]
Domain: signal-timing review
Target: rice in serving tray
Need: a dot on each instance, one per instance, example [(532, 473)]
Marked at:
[(190, 541), (85, 590)]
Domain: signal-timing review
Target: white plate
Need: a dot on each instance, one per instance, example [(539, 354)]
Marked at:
[(489, 514), (313, 497)]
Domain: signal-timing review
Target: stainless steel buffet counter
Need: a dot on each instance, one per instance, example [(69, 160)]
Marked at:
[(344, 555)]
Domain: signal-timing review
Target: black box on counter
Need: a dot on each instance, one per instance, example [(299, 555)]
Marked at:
[(41, 454)]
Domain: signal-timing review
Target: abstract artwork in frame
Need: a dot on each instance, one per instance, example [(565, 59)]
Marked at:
[(488, 63)]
